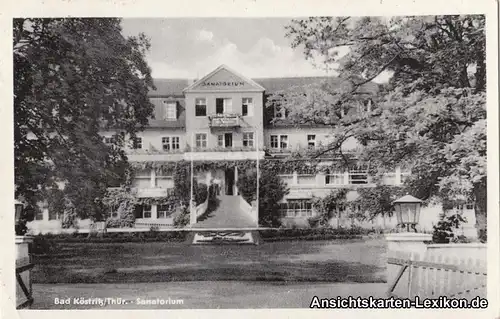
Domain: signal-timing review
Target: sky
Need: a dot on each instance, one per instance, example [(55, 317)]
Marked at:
[(193, 47)]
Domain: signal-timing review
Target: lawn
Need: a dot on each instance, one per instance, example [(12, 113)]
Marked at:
[(359, 261)]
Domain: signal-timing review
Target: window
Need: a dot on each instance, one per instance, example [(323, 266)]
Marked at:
[(170, 143), (225, 140), (297, 208), (108, 140), (358, 176), (274, 141), (335, 178), (146, 211), (469, 206), (223, 106), (39, 213), (311, 141), (248, 139), (367, 105), (137, 143), (170, 111), (283, 141), (201, 107), (247, 106), (54, 215), (164, 211), (279, 112), (306, 179), (201, 140), (165, 141)]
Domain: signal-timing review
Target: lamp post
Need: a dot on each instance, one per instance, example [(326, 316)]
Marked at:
[(17, 216), (408, 211)]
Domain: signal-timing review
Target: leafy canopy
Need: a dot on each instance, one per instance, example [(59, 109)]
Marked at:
[(430, 116), (73, 78)]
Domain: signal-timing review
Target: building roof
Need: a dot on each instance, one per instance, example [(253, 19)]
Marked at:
[(169, 87), (175, 87)]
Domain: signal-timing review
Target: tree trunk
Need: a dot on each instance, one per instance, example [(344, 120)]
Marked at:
[(480, 70), (480, 206)]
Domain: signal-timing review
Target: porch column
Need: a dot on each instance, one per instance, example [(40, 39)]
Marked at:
[(236, 180), (398, 175), (45, 212), (154, 211), (295, 178), (153, 178), (346, 177)]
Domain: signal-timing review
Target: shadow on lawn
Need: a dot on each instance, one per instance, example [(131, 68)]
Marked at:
[(299, 261), (297, 272)]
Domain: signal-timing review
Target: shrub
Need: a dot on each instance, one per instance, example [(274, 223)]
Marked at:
[(443, 231), (272, 189), (43, 245), (183, 218)]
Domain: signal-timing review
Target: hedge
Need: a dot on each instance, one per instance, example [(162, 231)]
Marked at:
[(45, 244)]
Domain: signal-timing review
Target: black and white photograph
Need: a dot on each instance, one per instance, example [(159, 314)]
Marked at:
[(296, 162)]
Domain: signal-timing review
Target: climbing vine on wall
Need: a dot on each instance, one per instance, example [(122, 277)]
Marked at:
[(284, 166), (121, 201)]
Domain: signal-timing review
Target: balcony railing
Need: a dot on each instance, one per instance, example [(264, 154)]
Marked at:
[(150, 149), (224, 120), (222, 149)]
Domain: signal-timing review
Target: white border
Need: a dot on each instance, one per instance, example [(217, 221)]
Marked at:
[(244, 8)]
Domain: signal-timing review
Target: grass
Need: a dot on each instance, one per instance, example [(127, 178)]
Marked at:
[(286, 261)]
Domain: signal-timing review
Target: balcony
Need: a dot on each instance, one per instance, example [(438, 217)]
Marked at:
[(223, 153), (151, 153), (224, 120)]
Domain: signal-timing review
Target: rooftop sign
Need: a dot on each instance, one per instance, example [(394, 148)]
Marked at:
[(223, 83), (224, 79)]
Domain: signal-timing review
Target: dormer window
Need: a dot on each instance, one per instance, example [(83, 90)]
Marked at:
[(170, 110), (279, 112)]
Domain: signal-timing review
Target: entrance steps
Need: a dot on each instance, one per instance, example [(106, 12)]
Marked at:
[(228, 224)]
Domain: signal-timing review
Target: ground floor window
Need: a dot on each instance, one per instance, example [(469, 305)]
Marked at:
[(39, 214), (358, 175), (164, 211), (143, 211), (54, 215), (335, 178), (297, 208)]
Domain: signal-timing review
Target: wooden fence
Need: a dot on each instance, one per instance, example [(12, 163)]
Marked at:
[(24, 291), (434, 276)]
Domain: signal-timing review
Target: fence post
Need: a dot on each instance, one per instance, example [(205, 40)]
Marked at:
[(23, 271), (404, 244)]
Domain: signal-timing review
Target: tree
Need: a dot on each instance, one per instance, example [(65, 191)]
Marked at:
[(429, 118), (73, 78), (271, 191), (330, 206)]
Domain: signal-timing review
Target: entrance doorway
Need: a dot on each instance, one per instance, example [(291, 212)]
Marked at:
[(229, 181), (228, 140)]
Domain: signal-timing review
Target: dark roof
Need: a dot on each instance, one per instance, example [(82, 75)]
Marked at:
[(273, 85), (169, 87), (174, 87)]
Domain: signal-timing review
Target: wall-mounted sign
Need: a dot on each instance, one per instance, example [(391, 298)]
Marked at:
[(223, 83)]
